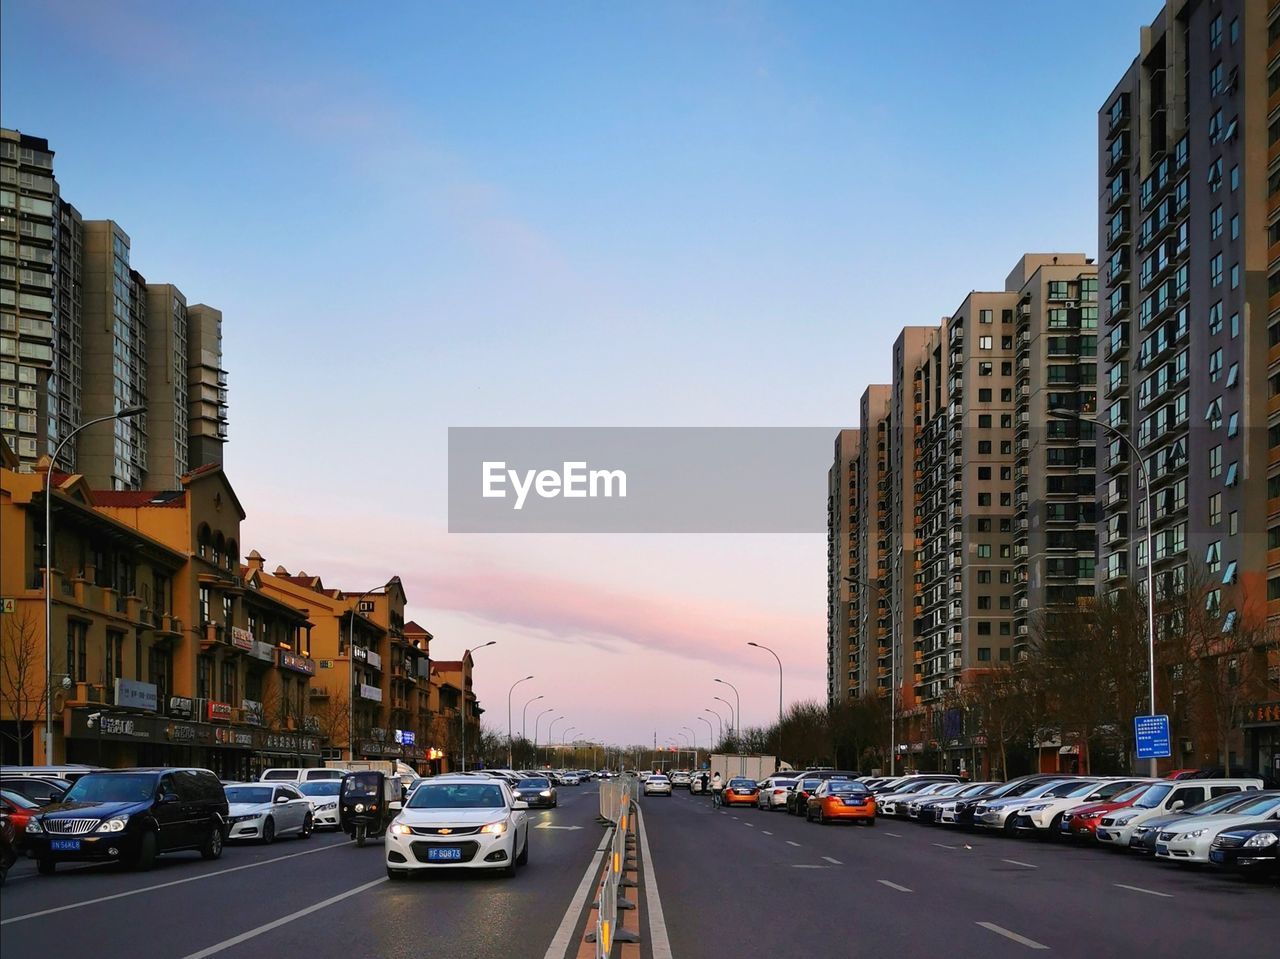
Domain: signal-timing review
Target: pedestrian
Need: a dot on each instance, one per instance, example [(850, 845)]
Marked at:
[(717, 787), (704, 780)]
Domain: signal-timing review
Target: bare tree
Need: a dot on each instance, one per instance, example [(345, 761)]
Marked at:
[(333, 717), (24, 684), (1004, 702)]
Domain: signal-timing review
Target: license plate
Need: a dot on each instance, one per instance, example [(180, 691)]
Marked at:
[(1065, 826), (1218, 855), (1162, 849), (444, 854), (64, 845)]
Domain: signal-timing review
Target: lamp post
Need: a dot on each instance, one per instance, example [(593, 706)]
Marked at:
[(564, 739), (537, 721), (551, 735), (694, 737), (524, 718), (351, 660), (1151, 557), (775, 656), (510, 744), (465, 653), (125, 413), (737, 726), (719, 721), (710, 732)]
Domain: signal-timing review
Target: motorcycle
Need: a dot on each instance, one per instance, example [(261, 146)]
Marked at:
[(368, 802), (8, 846)]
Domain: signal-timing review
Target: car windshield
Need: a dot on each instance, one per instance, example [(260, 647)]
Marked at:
[(1153, 796), (1044, 789), (457, 796), (811, 784), (847, 786), (1081, 790), (1259, 807), (248, 794), (321, 787), (533, 784), (1133, 792), (22, 802), (784, 783), (362, 784), (129, 787), (742, 783)]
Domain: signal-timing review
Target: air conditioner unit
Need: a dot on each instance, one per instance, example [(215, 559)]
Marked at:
[(1071, 304)]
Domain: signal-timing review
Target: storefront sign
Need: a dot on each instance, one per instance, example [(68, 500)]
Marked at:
[(96, 724), (296, 663), (225, 736), (252, 712), (241, 638), (119, 726), (1262, 714), (180, 733), (405, 737), (263, 651), (218, 712), (326, 664), (288, 743), (182, 706), (135, 695)]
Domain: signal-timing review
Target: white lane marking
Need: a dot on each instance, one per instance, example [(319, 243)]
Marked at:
[(569, 924), (1018, 862), (834, 862), (1149, 892), (808, 866), (659, 943), (1022, 940), (766, 832), (893, 834), (943, 845), (893, 885), (547, 825), (166, 885), (283, 920), (790, 843), (733, 817), (751, 824)]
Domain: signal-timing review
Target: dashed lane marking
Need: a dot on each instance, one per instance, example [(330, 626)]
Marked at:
[(1148, 892), (834, 862), (790, 843), (1008, 934), (1019, 862), (766, 832), (893, 834), (893, 885), (943, 845)]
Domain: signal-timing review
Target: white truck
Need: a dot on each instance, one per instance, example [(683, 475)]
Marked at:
[(402, 771), (729, 765)]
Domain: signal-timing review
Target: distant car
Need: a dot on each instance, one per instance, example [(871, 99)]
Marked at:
[(773, 793), (998, 813), (322, 794), (39, 789), (1190, 841), (680, 778), (895, 803), (917, 802), (1079, 822), (570, 779), (1144, 835), (131, 815), (942, 809), (536, 791), (296, 774), (1252, 849), (959, 812), (798, 795), (740, 791), (1044, 816), (837, 800), (657, 786), (265, 811)]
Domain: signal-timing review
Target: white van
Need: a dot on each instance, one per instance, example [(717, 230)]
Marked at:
[(1162, 798), (293, 774)]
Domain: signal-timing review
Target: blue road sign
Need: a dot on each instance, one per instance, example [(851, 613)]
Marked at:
[(1151, 733)]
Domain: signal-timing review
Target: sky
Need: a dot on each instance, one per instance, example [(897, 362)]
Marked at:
[(422, 215)]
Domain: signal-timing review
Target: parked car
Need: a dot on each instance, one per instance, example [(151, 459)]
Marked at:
[(1160, 799), (837, 800), (1044, 817), (909, 782), (895, 803), (322, 794), (536, 791), (67, 772), (459, 822), (571, 779), (19, 809), (942, 809), (961, 813), (798, 796), (1144, 836), (1189, 841), (657, 785), (773, 793), (292, 774), (131, 815), (1252, 849), (741, 791), (919, 799), (39, 789), (265, 811), (998, 813), (1079, 822)]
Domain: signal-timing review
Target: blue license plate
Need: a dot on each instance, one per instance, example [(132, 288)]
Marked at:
[(1162, 849), (1218, 855), (1065, 826), (64, 845), (444, 854)]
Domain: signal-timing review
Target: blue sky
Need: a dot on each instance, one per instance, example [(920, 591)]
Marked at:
[(421, 215)]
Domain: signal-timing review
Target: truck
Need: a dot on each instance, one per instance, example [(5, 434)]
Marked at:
[(390, 768), (753, 766)]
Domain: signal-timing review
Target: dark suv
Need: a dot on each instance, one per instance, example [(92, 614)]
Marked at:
[(130, 816)]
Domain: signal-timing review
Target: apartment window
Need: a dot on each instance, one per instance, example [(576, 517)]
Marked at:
[(1235, 227), (1006, 524), (1006, 499), (1215, 509), (1059, 290), (984, 652), (1233, 523), (1006, 368), (228, 610), (984, 628), (1006, 447), (204, 605), (1215, 174), (1233, 375), (984, 499), (1235, 31), (984, 447), (1215, 126), (984, 551), (984, 316), (984, 342), (1213, 556), (1235, 325), (1006, 576), (984, 575), (1215, 32), (1006, 395), (1006, 317), (984, 421), (984, 602), (1215, 364), (984, 368), (1215, 222), (1235, 276), (984, 472), (1215, 269), (1215, 79), (77, 636), (984, 395), (1006, 602), (1233, 425), (229, 682), (204, 677), (1006, 421), (1006, 342), (1235, 176), (1215, 462), (1215, 319), (115, 656), (1233, 474)]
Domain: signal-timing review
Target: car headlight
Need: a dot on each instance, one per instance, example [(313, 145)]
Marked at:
[(1035, 807), (545, 792), (400, 829), (33, 825), (113, 825), (516, 793), (327, 806), (359, 807), (1125, 819), (495, 828), (1261, 841), (1193, 834)]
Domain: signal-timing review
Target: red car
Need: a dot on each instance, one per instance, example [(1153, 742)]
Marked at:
[(1081, 822), (19, 809)]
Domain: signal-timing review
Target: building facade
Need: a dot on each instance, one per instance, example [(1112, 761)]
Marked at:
[(843, 479)]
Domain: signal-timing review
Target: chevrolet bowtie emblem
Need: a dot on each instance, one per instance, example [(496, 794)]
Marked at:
[(444, 832)]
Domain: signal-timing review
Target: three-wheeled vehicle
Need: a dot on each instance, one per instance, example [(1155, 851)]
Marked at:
[(367, 803)]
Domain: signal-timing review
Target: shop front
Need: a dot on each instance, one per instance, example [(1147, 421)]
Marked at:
[(1262, 737)]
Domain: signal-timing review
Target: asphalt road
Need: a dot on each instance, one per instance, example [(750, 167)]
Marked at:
[(319, 897), (775, 885)]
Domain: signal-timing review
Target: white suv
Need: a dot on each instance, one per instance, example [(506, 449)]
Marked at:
[(1162, 798)]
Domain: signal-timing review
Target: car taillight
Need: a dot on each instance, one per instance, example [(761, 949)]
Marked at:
[(779, 792)]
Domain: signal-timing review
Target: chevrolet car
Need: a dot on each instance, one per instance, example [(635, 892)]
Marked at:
[(459, 822)]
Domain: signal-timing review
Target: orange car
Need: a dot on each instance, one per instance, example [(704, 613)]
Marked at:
[(839, 799), (741, 792)]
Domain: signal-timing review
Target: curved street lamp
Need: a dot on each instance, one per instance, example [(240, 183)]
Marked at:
[(524, 717), (733, 717), (779, 659), (537, 721), (719, 721), (492, 642), (510, 750)]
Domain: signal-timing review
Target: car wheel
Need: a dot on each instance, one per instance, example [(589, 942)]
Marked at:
[(1009, 828), (523, 858), (396, 874), (146, 856), (1055, 828), (46, 866), (308, 825), (269, 831), (212, 848), (871, 821)]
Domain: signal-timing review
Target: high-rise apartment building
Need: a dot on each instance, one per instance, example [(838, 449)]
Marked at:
[(41, 239), (206, 384), (1183, 211), (843, 682), (872, 573)]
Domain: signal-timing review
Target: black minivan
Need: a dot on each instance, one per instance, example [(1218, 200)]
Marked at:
[(130, 816)]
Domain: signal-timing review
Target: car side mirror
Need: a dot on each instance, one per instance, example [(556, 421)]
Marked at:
[(519, 804), (1177, 804), (281, 799), (166, 798), (395, 804)]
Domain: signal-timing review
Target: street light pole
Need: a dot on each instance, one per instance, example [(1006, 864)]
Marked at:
[(537, 721), (733, 724), (463, 711), (510, 739), (125, 413), (719, 721), (551, 735), (564, 739), (694, 736), (710, 732), (1151, 556), (742, 762), (351, 662), (524, 718), (779, 659)]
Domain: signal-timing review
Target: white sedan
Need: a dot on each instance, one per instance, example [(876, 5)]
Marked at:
[(323, 796), (459, 822), (657, 786), (267, 811), (1044, 816), (1189, 841), (773, 793)]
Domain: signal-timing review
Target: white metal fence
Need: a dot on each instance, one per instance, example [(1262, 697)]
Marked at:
[(618, 809)]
